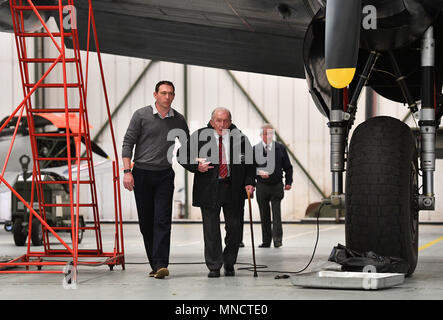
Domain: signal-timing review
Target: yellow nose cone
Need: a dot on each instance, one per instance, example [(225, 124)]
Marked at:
[(340, 78)]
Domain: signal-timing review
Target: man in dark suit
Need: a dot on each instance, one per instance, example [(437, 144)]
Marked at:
[(271, 159), (221, 158)]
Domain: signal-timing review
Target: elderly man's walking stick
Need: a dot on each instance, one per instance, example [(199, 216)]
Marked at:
[(252, 234)]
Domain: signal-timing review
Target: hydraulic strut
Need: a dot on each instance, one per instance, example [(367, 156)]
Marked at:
[(337, 131), (339, 126), (427, 122), (401, 81)]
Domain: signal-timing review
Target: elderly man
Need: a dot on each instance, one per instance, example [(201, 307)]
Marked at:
[(220, 156), (270, 187)]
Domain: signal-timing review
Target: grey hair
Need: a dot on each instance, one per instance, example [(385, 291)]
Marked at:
[(267, 126), (221, 109)]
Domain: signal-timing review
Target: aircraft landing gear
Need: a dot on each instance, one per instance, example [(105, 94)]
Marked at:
[(382, 199)]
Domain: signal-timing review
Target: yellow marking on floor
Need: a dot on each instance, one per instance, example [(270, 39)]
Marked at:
[(427, 245)]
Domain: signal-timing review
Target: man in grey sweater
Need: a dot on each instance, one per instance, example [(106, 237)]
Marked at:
[(152, 130)]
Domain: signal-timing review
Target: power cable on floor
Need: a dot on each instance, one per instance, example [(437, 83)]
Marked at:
[(284, 276), (307, 265), (251, 268)]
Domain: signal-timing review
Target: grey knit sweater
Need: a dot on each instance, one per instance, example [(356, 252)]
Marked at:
[(153, 138)]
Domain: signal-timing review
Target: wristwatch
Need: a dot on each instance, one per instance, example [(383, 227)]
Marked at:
[(126, 170)]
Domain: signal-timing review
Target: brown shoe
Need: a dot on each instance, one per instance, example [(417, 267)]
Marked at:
[(152, 273), (161, 273)]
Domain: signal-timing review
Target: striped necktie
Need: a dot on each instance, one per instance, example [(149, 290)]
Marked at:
[(223, 168)]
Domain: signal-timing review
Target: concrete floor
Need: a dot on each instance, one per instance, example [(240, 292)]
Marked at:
[(190, 282)]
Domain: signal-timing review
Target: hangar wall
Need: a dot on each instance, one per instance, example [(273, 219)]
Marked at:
[(284, 101)]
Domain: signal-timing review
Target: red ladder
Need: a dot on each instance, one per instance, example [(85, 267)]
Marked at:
[(77, 129)]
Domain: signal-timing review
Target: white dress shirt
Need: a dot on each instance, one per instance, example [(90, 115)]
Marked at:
[(268, 147), (225, 140)]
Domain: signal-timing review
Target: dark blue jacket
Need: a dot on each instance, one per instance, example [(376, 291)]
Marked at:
[(282, 163)]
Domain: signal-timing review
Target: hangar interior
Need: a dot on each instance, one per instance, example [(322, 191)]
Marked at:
[(252, 98)]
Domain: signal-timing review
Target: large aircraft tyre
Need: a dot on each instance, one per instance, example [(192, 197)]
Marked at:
[(382, 189)]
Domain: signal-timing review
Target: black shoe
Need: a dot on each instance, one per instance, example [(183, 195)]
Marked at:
[(241, 245), (264, 245), (214, 274), (277, 245), (229, 271)]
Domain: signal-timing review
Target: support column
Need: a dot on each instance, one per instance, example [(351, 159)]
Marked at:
[(185, 111), (39, 67)]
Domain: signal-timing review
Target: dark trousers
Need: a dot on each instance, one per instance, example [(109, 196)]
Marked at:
[(242, 222), (273, 194), (215, 257), (153, 192)]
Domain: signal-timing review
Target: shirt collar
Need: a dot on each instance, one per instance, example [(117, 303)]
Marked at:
[(225, 136), (155, 111), (267, 145)]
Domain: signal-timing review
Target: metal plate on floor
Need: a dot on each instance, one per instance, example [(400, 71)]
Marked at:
[(348, 280)]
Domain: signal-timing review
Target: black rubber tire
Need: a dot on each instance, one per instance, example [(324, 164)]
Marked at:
[(81, 232), (381, 189), (18, 233), (36, 233), (81, 224)]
